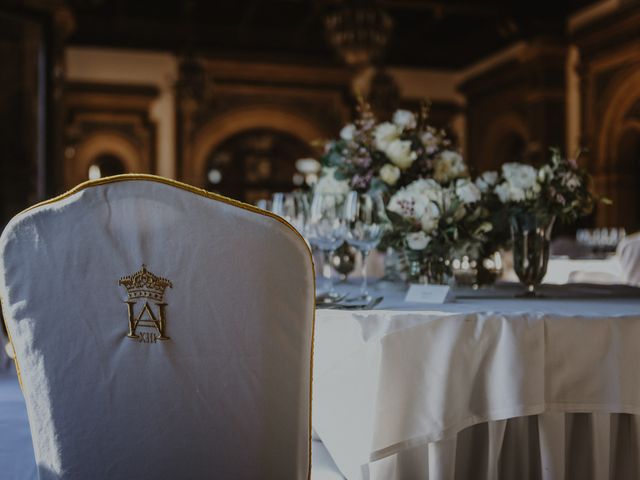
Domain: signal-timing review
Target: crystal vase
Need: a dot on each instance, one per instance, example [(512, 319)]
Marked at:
[(531, 234), (426, 269)]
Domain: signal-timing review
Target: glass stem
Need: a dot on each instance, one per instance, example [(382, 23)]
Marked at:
[(364, 286), (326, 270)]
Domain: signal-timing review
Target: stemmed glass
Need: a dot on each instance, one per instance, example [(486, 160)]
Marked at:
[(366, 223), (326, 231), (293, 207)]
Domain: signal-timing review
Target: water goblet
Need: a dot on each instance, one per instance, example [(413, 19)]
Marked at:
[(366, 223), (325, 230)]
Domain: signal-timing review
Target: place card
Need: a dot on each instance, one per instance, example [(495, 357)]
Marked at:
[(427, 293)]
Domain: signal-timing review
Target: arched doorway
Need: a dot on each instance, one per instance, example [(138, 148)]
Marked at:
[(618, 152), (255, 163), (102, 154), (105, 165), (629, 164)]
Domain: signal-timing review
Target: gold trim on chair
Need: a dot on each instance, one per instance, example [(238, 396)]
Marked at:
[(212, 196)]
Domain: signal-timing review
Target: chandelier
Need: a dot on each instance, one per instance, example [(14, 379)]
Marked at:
[(359, 30), (193, 82)]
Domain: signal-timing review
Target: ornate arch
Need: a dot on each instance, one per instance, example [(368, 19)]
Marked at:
[(99, 143), (621, 96), (615, 176), (222, 127)]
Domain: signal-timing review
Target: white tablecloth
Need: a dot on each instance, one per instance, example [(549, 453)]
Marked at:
[(405, 377), (564, 270)]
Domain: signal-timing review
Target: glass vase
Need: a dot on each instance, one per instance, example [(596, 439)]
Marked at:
[(531, 235), (426, 268)]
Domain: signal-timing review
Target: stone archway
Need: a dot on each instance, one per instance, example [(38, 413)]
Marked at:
[(223, 127), (100, 144), (618, 148), (252, 165)]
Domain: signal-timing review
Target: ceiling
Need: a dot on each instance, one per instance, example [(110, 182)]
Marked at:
[(443, 34)]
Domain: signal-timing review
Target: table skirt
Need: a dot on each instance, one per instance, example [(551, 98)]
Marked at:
[(550, 446)]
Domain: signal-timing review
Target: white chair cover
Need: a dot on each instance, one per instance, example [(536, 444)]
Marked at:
[(628, 253), (161, 332)]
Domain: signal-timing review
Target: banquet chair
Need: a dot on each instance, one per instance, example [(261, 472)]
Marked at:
[(628, 253), (160, 332)]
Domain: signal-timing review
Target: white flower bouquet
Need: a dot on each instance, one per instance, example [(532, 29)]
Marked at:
[(388, 156), (559, 189), (434, 223)]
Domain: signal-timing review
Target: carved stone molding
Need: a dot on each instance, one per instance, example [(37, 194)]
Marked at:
[(610, 92), (307, 102), (109, 119), (515, 110)]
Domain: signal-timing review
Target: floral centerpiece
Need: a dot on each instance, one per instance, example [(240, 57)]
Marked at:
[(558, 189), (387, 156), (436, 210), (437, 222), (534, 199)]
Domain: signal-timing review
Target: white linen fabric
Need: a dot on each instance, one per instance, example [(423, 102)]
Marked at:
[(323, 468), (565, 270), (395, 391), (16, 452), (628, 253), (226, 396)]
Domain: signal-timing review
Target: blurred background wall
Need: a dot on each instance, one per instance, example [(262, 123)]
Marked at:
[(228, 95)]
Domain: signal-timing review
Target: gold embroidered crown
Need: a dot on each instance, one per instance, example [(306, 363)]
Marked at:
[(144, 284)]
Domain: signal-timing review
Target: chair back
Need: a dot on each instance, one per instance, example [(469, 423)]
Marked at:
[(628, 253), (161, 332)]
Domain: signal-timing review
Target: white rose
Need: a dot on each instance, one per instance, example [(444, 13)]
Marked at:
[(571, 181), (407, 204), (399, 152), (431, 216), (384, 134), (487, 180), (484, 228), (502, 191), (418, 240), (467, 191), (517, 194), (404, 119), (329, 185), (520, 175), (347, 132), (426, 187), (449, 165), (545, 173), (389, 174)]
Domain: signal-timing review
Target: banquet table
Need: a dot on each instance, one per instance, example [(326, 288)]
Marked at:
[(461, 389), (415, 390)]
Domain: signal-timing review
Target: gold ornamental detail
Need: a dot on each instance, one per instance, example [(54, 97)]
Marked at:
[(144, 286)]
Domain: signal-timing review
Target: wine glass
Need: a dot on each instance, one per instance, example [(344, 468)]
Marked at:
[(326, 231), (366, 223), (264, 204), (293, 207)]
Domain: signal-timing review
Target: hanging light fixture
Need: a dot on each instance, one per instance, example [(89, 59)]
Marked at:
[(193, 82), (359, 30)]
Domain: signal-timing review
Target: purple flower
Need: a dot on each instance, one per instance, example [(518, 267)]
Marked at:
[(361, 182)]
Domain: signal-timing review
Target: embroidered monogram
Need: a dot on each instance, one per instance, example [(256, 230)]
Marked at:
[(144, 286)]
